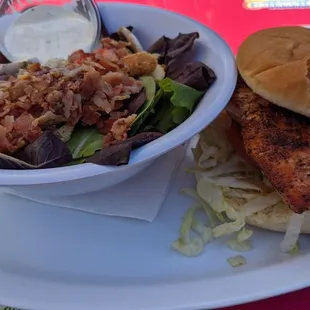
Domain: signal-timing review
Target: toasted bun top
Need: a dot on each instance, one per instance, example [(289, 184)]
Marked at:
[(275, 64)]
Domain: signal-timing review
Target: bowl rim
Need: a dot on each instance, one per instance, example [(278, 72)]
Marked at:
[(150, 150)]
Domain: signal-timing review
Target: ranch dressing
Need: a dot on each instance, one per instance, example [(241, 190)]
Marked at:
[(45, 32)]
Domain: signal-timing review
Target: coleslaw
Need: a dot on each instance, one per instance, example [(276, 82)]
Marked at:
[(231, 194)]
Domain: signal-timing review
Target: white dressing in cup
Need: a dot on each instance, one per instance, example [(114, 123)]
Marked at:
[(45, 32)]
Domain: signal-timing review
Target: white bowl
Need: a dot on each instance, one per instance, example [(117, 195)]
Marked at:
[(150, 23)]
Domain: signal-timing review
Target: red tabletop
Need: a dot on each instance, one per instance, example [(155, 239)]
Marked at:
[(234, 20)]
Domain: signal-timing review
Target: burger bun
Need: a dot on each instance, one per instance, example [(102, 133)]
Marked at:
[(275, 64)]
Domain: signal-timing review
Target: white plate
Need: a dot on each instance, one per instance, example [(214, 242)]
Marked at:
[(54, 259)]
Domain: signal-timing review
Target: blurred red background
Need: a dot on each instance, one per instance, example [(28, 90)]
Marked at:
[(230, 18)]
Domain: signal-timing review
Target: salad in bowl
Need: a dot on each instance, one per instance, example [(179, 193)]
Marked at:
[(94, 119)]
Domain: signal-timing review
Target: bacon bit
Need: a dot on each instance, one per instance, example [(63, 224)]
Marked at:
[(54, 96), (8, 123), (5, 145), (23, 123), (78, 57), (33, 134), (125, 82), (25, 76), (49, 118), (122, 52), (90, 83), (68, 103), (34, 67), (112, 44), (90, 88), (118, 130), (118, 104), (108, 58), (121, 126), (106, 54), (118, 114), (90, 115), (105, 125), (108, 65), (108, 139), (101, 101), (24, 127)]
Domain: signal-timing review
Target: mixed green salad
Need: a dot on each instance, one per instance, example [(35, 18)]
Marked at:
[(97, 107)]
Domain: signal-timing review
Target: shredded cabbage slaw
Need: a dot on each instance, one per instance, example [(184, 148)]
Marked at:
[(236, 261), (228, 191)]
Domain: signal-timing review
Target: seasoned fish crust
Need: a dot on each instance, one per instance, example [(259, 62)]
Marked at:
[(278, 140)]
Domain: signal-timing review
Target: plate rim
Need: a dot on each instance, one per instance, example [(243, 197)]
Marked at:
[(270, 281)]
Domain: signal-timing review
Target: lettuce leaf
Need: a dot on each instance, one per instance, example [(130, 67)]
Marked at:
[(48, 151), (193, 74), (152, 97), (236, 261), (85, 142), (187, 244), (119, 153), (181, 96), (176, 105), (64, 133), (288, 245), (136, 101), (173, 49)]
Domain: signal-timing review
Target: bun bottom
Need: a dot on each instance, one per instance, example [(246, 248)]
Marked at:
[(276, 219)]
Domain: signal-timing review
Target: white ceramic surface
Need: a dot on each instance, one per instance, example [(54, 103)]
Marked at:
[(113, 201), (150, 23), (57, 259), (80, 185)]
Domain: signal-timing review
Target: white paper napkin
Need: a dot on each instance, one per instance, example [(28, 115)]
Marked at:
[(140, 197)]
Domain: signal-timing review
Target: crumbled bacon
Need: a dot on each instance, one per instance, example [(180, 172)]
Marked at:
[(109, 58), (90, 88), (16, 133), (42, 97), (114, 88), (24, 126), (121, 126), (120, 48), (34, 67), (90, 83), (113, 44), (103, 60), (119, 129), (4, 142), (118, 114), (79, 56), (114, 56), (106, 54), (104, 125), (8, 122), (90, 116)]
